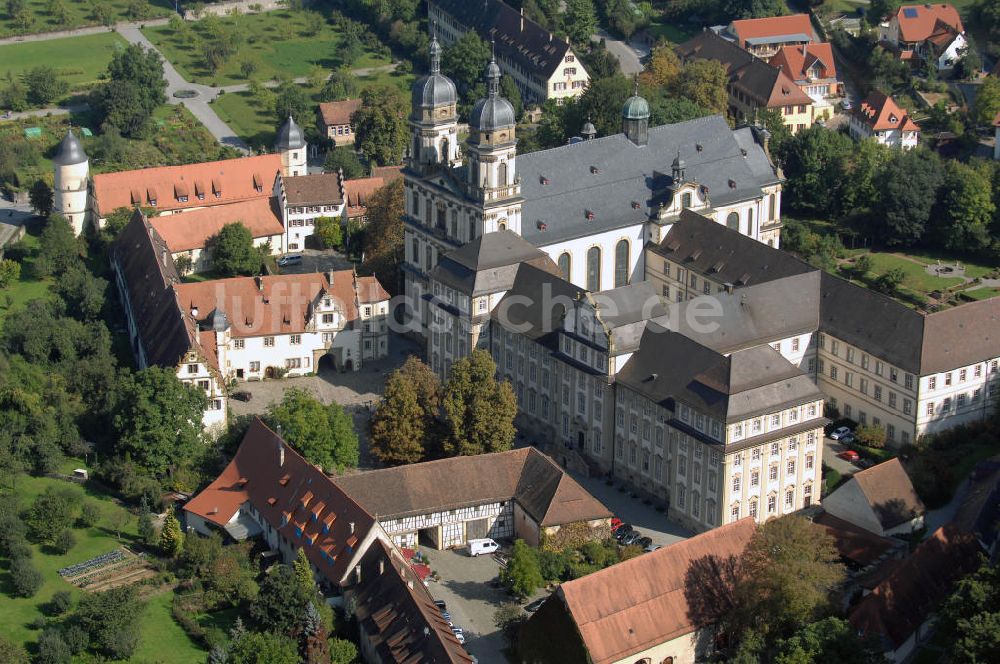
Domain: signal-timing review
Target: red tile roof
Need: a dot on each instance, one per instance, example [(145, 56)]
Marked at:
[(918, 22), (338, 112), (880, 113), (358, 192), (890, 493), (776, 26), (217, 182), (258, 461), (917, 586), (853, 543), (795, 61), (192, 229), (657, 597)]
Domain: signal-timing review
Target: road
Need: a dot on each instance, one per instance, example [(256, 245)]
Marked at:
[(628, 54)]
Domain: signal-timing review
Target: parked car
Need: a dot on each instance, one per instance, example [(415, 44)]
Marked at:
[(446, 616), (644, 542), (653, 547), (534, 606), (839, 433), (290, 259), (847, 439), (242, 395), (846, 104), (440, 604), (478, 547), (622, 531), (631, 538), (849, 455)]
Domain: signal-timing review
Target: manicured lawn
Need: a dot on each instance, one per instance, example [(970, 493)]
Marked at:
[(27, 288), (283, 44), (402, 81), (981, 293), (78, 60), (972, 270), (78, 14), (163, 641), (916, 278), (255, 125)]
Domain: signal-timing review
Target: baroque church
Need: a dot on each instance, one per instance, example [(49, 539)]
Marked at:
[(583, 211)]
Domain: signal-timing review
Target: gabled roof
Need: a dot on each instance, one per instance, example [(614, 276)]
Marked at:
[(359, 190), (795, 61), (881, 113), (538, 318), (890, 493), (193, 229), (852, 542), (516, 37), (398, 614), (635, 605), (549, 495), (917, 586), (314, 189), (218, 182), (775, 29), (292, 496), (746, 71), (489, 263), (918, 22), (332, 113)]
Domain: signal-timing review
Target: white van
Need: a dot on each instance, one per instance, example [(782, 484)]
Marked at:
[(481, 546)]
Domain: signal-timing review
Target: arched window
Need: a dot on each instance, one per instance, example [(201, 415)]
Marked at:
[(750, 222), (686, 199), (594, 269), (445, 158), (565, 263), (502, 226), (621, 263), (502, 174), (733, 221)]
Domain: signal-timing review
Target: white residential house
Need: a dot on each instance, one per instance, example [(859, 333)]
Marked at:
[(304, 198), (881, 118)]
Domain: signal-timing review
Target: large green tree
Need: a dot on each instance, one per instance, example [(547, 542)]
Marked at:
[(523, 575), (233, 252), (478, 409), (987, 105), (964, 211), (40, 197), (292, 99), (111, 619), (970, 618), (51, 513), (43, 85), (829, 640), (380, 131), (58, 249), (404, 424), (464, 62), (908, 187), (156, 419), (262, 648), (281, 602), (383, 239), (171, 536), (344, 158), (580, 20), (133, 87), (323, 434), (813, 162), (704, 82)]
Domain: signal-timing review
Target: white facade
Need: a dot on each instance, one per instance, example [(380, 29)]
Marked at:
[(894, 138), (70, 193), (300, 221)]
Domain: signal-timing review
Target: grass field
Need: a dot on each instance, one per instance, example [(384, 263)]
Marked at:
[(78, 14), (27, 288), (282, 44), (78, 60), (163, 640), (916, 278)]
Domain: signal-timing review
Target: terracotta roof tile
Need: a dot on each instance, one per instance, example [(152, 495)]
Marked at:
[(315, 189), (853, 543), (358, 191), (795, 61), (918, 22), (338, 112), (777, 26), (890, 493), (880, 112), (192, 229), (231, 179)]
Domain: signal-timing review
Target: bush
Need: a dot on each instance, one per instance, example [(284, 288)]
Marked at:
[(19, 549), (552, 565), (871, 436), (25, 578), (76, 638), (342, 651), (90, 514), (64, 541), (52, 648), (60, 603), (832, 480)]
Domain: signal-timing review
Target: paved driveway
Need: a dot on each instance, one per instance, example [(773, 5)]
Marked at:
[(464, 586), (831, 448), (316, 260)]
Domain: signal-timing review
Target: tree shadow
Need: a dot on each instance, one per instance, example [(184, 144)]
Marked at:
[(709, 588)]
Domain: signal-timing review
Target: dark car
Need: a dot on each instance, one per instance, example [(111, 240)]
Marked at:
[(622, 530), (534, 606), (643, 542), (242, 395), (630, 538), (440, 603)]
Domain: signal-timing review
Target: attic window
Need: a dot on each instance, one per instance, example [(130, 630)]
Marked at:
[(284, 480), (594, 170), (732, 184), (199, 190), (718, 267), (272, 501), (181, 192), (242, 481), (544, 180), (136, 197), (541, 225), (257, 182), (673, 246), (635, 205), (590, 214), (893, 118), (216, 187), (151, 195), (699, 147), (695, 255)]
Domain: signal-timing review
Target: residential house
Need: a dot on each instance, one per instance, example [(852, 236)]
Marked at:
[(930, 31), (659, 607), (160, 330), (881, 118), (334, 121), (899, 612), (305, 198), (190, 234), (269, 491), (542, 65), (520, 493), (814, 70), (880, 499), (359, 190), (754, 85), (766, 36)]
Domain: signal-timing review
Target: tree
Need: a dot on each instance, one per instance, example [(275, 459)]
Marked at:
[(233, 252), (59, 247), (64, 542), (961, 218), (10, 271), (315, 649), (329, 232), (704, 82), (403, 425), (263, 648), (341, 85), (970, 63), (508, 618), (43, 85), (346, 159), (171, 537), (523, 575), (52, 648), (303, 573), (11, 652), (145, 527), (754, 8), (829, 640), (663, 68), (103, 13), (783, 578), (380, 131), (602, 102), (510, 92), (871, 435), (111, 620), (580, 20), (342, 651), (281, 603), (291, 100), (383, 241), (970, 617), (82, 292), (25, 577), (881, 9), (50, 514), (323, 434), (813, 161), (156, 419), (464, 62), (478, 409), (890, 281), (133, 88)]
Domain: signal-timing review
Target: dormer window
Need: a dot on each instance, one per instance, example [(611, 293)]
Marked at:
[(544, 180), (590, 215)]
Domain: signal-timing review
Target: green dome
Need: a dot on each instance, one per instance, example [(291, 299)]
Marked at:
[(635, 108)]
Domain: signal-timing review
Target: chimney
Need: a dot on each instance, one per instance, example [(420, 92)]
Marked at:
[(522, 19), (352, 527), (409, 584), (381, 567), (281, 454), (357, 573), (260, 283), (329, 276)]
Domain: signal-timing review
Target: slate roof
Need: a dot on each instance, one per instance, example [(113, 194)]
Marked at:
[(314, 189), (489, 263), (546, 493), (725, 255), (530, 45), (775, 29), (914, 590), (542, 299), (193, 229), (635, 605), (890, 493), (918, 22), (69, 151), (625, 311), (747, 72), (617, 181), (287, 496), (398, 614)]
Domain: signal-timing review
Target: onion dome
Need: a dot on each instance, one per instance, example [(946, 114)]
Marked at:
[(290, 137), (494, 112), (69, 151)]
